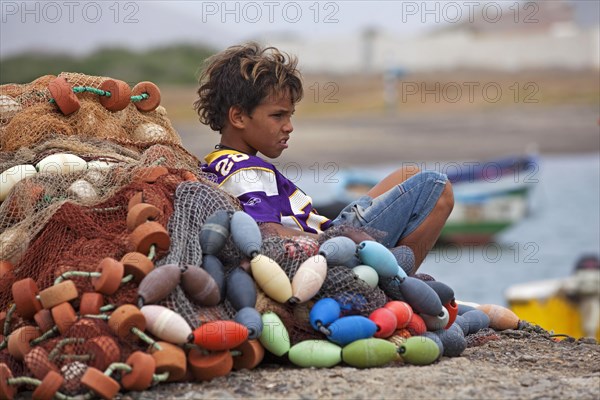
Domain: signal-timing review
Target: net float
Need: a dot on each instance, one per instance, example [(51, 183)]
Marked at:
[(150, 174), (141, 213), (87, 328), (6, 391), (324, 312), (6, 268), (405, 258), (83, 191), (8, 108), (348, 329), (275, 337), (171, 359), (61, 163), (63, 95), (64, 316), (453, 340), (433, 336), (315, 353), (244, 294), (215, 232), (380, 258), (367, 274), (476, 320), (251, 319), (14, 242), (422, 298), (150, 132), (338, 250), (444, 292), (138, 265), (120, 94), (44, 320), (401, 310), (206, 366), (463, 308), (104, 351), (25, 293), (58, 293), (99, 165), (90, 303), (111, 273), (135, 199), (19, 341), (142, 371), (386, 322), (147, 235), (49, 386), (251, 354), (436, 322), (371, 352), (199, 286), (159, 283), (462, 323), (269, 276), (246, 234), (99, 383), (501, 318), (308, 279), (416, 326), (124, 319), (213, 266), (10, 177), (149, 103), (219, 335), (452, 308), (38, 363), (419, 350), (166, 324)]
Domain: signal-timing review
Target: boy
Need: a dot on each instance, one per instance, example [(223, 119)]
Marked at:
[(248, 94)]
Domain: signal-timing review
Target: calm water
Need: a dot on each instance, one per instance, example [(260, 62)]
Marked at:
[(563, 225)]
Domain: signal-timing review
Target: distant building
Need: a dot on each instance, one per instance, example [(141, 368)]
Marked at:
[(549, 34)]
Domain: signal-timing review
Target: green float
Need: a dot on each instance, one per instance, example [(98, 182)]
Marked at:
[(366, 353), (419, 350), (315, 353), (274, 337)]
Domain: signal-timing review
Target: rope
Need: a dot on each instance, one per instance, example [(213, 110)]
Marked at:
[(140, 97)]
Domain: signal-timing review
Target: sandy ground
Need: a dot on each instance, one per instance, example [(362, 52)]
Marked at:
[(517, 365)]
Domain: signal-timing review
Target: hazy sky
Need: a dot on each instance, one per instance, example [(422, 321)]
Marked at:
[(82, 26)]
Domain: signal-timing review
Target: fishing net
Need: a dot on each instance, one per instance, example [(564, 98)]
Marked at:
[(58, 227)]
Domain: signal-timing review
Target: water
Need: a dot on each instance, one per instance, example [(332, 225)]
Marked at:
[(564, 224)]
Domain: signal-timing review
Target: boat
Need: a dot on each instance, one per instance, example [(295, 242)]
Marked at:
[(489, 197), (544, 303)]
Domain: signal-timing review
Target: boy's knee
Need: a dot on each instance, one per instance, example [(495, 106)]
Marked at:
[(446, 200)]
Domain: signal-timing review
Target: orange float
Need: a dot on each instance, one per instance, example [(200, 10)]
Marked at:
[(153, 92), (64, 316), (90, 303), (112, 272), (59, 293), (104, 350), (170, 359), (207, 366), (38, 363), (219, 335), (44, 320), (120, 94), (252, 353), (6, 391), (49, 386), (141, 213), (124, 319), (24, 295), (141, 374), (138, 265), (101, 384), (19, 341), (63, 95), (148, 234)]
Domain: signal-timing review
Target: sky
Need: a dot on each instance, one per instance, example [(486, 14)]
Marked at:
[(79, 27)]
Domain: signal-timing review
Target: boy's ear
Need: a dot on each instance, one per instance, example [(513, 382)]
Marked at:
[(236, 117)]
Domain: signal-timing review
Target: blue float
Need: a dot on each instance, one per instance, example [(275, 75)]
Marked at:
[(251, 319), (246, 234), (241, 291), (324, 312), (214, 232), (348, 329)]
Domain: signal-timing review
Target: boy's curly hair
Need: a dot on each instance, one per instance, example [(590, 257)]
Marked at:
[(244, 76)]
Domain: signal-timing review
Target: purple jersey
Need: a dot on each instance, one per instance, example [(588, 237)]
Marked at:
[(263, 191)]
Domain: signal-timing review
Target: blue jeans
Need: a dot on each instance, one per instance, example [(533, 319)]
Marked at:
[(400, 210)]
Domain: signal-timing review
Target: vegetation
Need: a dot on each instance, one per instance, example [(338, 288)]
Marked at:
[(177, 64)]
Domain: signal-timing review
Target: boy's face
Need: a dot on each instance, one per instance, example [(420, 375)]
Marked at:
[(267, 129)]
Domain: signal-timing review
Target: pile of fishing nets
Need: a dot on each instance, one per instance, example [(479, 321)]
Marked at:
[(123, 266)]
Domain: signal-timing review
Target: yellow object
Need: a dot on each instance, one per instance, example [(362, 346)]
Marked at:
[(271, 278), (542, 303)]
